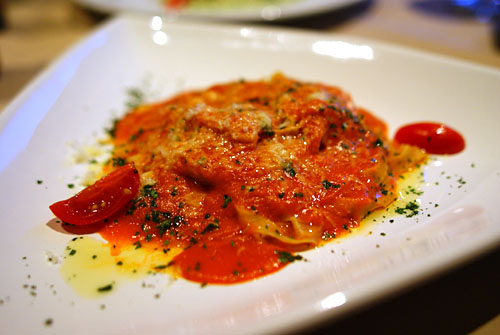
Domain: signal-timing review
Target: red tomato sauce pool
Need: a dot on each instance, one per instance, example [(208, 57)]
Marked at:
[(435, 138)]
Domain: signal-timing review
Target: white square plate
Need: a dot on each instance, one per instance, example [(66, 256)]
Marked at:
[(75, 98)]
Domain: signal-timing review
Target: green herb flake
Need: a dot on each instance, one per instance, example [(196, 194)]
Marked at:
[(411, 209), (289, 170), (71, 185), (136, 135), (106, 288), (135, 98), (327, 236), (327, 185), (72, 252), (39, 181), (112, 130), (227, 200), (174, 191), (119, 161), (210, 227), (285, 257)]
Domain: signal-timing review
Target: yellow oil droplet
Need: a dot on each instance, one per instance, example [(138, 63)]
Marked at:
[(91, 270)]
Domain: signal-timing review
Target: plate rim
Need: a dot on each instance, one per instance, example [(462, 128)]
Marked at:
[(443, 263), (250, 15)]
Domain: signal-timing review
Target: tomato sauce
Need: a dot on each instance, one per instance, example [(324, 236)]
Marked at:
[(435, 138), (243, 175)]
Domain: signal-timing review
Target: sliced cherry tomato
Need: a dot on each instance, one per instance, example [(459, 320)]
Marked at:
[(101, 200), (435, 138)]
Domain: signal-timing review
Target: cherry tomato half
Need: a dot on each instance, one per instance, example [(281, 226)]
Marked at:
[(101, 200), (435, 138)]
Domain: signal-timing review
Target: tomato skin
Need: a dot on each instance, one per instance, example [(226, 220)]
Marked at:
[(102, 199), (435, 138)]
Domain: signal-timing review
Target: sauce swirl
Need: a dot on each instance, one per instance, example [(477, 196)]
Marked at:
[(434, 138)]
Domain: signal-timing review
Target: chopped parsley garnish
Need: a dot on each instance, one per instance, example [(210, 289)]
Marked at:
[(148, 190), (112, 131), (285, 257), (119, 161), (136, 135), (289, 170), (327, 185), (174, 191), (210, 227), (227, 200), (411, 209), (327, 236), (135, 98), (106, 288)]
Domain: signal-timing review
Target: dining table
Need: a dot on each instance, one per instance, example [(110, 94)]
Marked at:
[(464, 299)]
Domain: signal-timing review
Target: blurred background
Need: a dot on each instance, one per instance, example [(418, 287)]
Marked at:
[(33, 33)]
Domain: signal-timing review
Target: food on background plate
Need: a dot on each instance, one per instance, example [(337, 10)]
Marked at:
[(221, 4), (238, 178)]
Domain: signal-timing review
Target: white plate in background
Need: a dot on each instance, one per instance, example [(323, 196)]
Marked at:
[(76, 97), (288, 9)]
